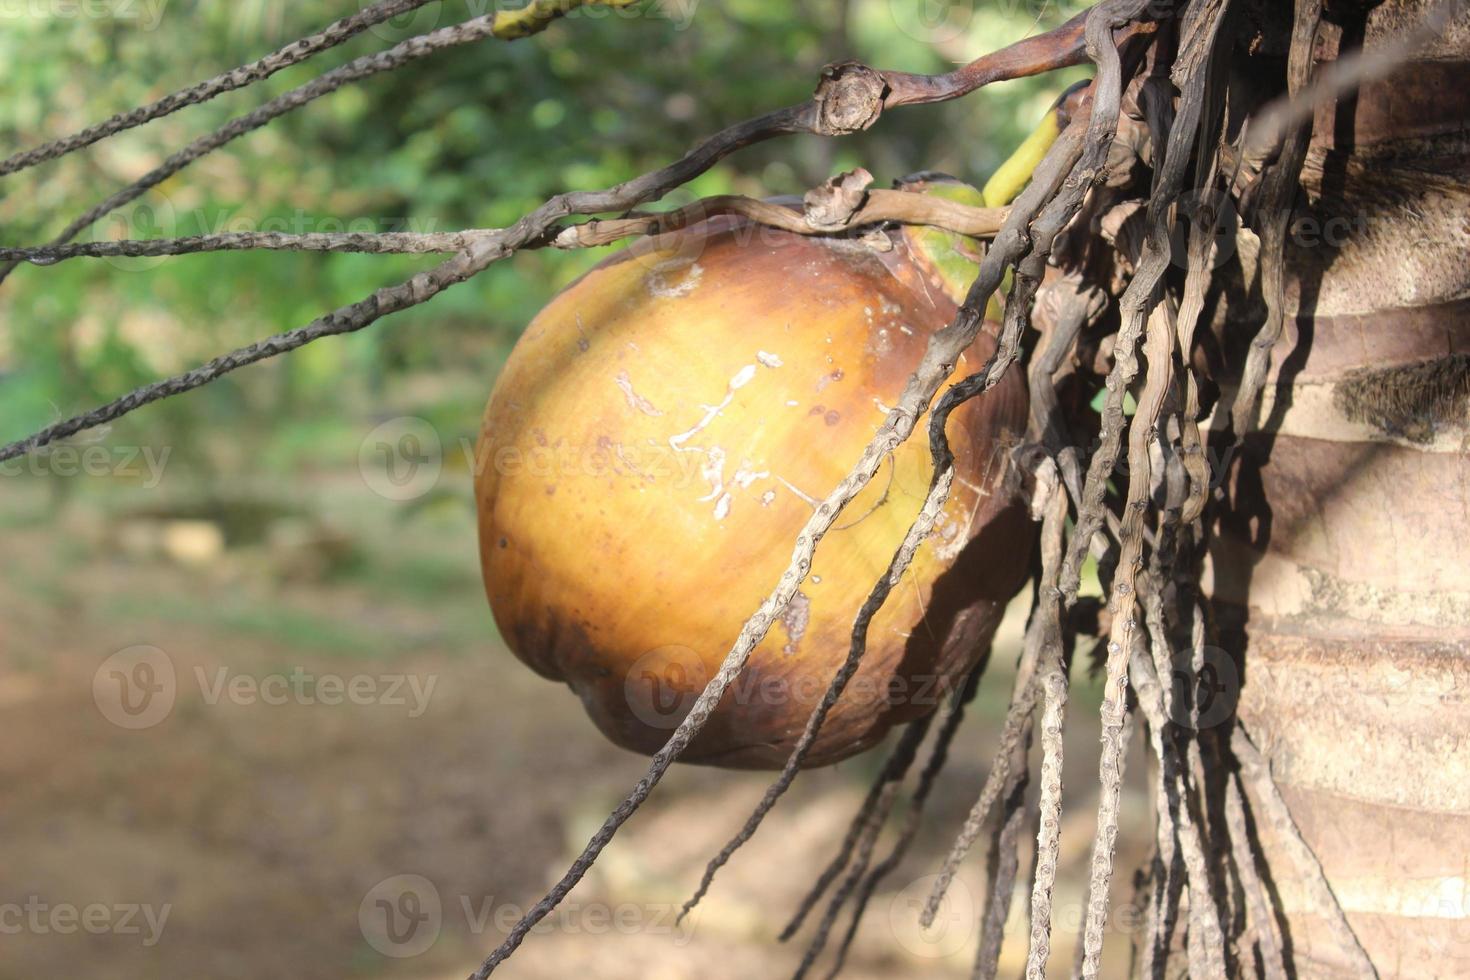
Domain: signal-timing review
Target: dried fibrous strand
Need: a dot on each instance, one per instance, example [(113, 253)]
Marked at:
[(879, 206), (506, 25), (294, 53)]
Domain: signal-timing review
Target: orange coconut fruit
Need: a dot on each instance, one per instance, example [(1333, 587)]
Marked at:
[(662, 431)]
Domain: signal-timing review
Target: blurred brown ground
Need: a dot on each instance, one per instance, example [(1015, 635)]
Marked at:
[(263, 827)]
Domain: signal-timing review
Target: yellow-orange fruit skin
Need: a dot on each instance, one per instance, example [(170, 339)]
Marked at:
[(658, 438)]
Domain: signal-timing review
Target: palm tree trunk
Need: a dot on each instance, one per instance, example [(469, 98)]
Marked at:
[(1340, 568)]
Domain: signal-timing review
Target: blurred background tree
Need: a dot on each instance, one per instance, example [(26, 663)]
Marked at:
[(471, 137)]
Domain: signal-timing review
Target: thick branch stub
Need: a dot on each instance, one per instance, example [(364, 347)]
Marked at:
[(849, 99), (832, 206)]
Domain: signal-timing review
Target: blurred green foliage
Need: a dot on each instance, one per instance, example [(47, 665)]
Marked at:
[(468, 138)]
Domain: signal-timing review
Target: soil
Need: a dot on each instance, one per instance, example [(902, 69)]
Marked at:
[(267, 833)]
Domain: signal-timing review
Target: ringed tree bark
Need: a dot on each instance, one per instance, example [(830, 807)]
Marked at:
[(1340, 563)]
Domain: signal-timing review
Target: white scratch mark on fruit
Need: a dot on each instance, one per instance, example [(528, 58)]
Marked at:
[(740, 380), (635, 400), (710, 413), (797, 615), (660, 287), (745, 476), (767, 498), (768, 359), (878, 404), (713, 469), (713, 472)]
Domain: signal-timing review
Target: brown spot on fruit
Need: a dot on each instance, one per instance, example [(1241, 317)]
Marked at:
[(831, 376), (833, 417)]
